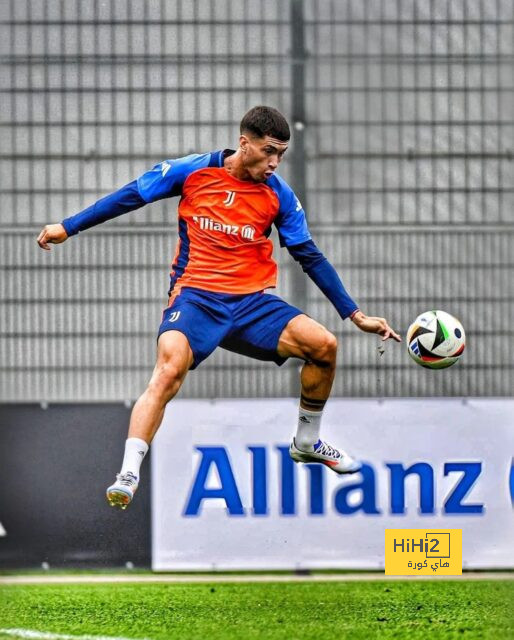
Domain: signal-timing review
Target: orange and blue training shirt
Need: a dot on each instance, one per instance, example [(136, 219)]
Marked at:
[(224, 225)]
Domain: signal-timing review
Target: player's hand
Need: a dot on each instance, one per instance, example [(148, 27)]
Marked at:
[(52, 233), (371, 324)]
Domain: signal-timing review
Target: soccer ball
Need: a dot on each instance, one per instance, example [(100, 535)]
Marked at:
[(435, 340)]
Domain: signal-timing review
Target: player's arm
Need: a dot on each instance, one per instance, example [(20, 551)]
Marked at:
[(323, 274), (291, 223), (115, 204), (163, 181)]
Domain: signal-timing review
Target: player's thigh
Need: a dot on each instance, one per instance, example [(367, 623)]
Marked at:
[(173, 348), (201, 318), (305, 338)]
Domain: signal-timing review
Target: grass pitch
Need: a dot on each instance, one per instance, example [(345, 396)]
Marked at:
[(356, 610)]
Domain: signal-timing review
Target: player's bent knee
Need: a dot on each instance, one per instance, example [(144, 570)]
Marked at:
[(330, 347), (325, 351), (166, 379)]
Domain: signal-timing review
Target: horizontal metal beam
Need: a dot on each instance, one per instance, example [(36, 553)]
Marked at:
[(229, 22), (158, 229), (256, 58)]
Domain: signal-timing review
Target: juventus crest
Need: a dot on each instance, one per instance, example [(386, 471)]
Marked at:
[(231, 196)]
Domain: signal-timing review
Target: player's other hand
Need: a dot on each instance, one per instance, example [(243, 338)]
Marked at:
[(371, 324), (53, 234)]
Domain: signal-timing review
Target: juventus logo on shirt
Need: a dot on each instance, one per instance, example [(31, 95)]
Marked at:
[(231, 196), (174, 316)]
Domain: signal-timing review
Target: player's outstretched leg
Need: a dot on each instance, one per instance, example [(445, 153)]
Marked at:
[(307, 339), (174, 357)]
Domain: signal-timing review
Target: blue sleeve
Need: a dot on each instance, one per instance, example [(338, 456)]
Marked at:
[(115, 204), (163, 181), (291, 221), (319, 269), (167, 178)]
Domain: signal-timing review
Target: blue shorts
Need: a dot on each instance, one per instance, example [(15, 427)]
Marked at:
[(248, 324)]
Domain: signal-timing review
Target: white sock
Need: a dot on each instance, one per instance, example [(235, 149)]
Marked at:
[(135, 451), (309, 425)]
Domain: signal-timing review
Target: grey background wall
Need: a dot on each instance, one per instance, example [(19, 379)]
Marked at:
[(403, 125)]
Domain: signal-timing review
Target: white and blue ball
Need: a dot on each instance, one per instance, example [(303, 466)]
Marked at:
[(436, 340)]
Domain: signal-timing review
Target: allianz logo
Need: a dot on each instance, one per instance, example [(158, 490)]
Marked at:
[(356, 493), (208, 224)]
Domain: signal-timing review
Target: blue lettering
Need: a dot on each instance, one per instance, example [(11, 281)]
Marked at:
[(511, 482), (367, 486), (317, 489), (346, 501), (426, 486), (287, 483), (471, 471), (228, 490), (259, 481)]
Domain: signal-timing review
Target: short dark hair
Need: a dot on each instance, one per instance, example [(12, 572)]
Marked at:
[(265, 121)]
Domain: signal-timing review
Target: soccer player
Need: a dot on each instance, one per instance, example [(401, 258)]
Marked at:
[(221, 269)]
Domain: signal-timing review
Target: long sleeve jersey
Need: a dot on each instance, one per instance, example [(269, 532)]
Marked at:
[(224, 226)]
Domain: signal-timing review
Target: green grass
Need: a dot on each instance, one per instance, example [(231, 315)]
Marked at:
[(356, 610)]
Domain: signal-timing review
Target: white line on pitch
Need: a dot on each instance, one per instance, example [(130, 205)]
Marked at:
[(234, 578), (47, 635)]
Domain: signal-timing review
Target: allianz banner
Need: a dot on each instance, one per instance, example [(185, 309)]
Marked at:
[(226, 495)]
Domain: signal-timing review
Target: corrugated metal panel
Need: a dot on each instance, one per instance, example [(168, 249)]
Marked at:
[(408, 104), (95, 93), (408, 122), (79, 323), (410, 112)]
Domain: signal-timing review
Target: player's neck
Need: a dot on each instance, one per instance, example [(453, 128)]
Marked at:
[(235, 167)]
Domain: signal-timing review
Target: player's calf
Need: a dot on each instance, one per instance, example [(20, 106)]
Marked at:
[(173, 361)]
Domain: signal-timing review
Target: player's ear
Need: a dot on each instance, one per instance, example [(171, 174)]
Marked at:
[(243, 143)]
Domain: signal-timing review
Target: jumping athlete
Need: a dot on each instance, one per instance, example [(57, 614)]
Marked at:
[(229, 201)]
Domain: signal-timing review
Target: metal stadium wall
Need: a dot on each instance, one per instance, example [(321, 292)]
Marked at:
[(403, 125)]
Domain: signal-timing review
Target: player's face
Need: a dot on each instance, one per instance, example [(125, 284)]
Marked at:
[(261, 156)]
